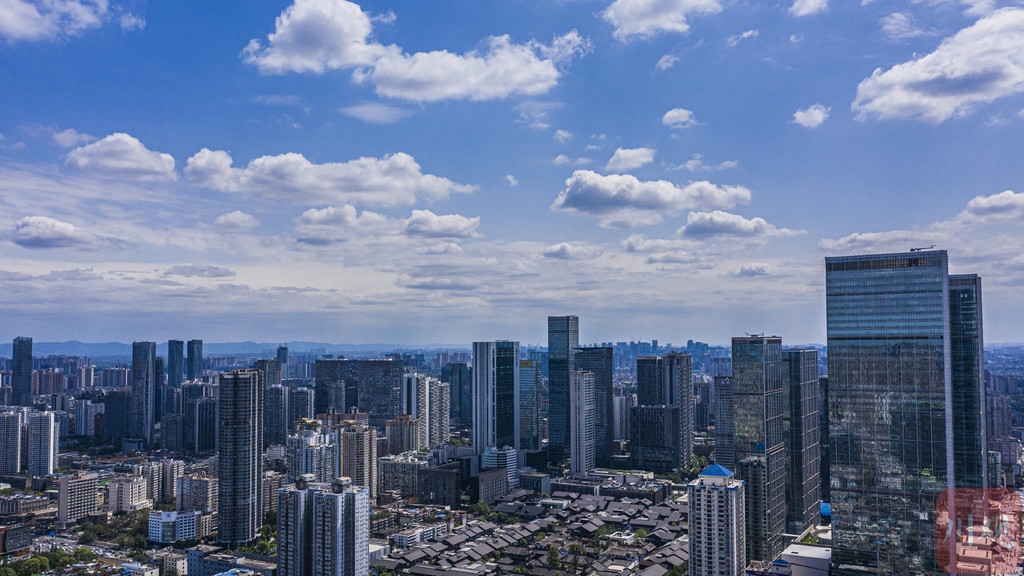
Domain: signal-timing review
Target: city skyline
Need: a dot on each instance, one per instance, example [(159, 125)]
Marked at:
[(421, 173)]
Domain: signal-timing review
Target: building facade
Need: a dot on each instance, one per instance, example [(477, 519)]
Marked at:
[(240, 457), (495, 395), (582, 435), (717, 523), (563, 341)]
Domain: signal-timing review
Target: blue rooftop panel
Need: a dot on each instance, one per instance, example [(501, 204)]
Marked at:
[(716, 470)]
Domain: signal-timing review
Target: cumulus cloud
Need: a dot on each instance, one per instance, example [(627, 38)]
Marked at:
[(898, 26), (314, 36), (737, 38), (48, 20), (644, 19), (71, 137), (629, 158), (426, 223), (666, 62), (122, 156), (199, 271), (567, 251), (679, 118), (752, 270), (130, 22), (1007, 205), (716, 223), (376, 113), (812, 116), (697, 164), (674, 257), (622, 200), (43, 232), (237, 220), (563, 136), (331, 225), (443, 248), (981, 63), (802, 8), (394, 180)]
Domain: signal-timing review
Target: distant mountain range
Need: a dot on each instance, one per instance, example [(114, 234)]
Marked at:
[(105, 349)]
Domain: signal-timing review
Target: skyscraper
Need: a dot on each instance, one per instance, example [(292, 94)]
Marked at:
[(359, 456), (460, 380), (282, 357), (373, 386), (563, 340), (759, 446), (21, 377), (529, 404), (300, 405), (240, 456), (664, 399), (273, 412), (42, 443), (495, 395), (598, 360), (194, 368), (904, 341), (323, 529), (175, 363), (582, 438), (143, 391), (717, 521), (800, 426), (10, 441)]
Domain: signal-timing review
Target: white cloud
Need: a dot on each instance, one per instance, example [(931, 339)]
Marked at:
[(376, 113), (898, 26), (980, 64), (71, 137), (131, 22), (330, 225), (666, 62), (706, 225), (563, 136), (674, 257), (752, 270), (122, 156), (807, 7), (314, 36), (644, 19), (679, 118), (49, 19), (561, 160), (737, 38), (44, 232), (512, 180), (535, 113), (641, 243), (812, 116), (236, 220), (567, 251), (629, 158), (1007, 205), (696, 163), (621, 200), (199, 271), (426, 223), (394, 180)]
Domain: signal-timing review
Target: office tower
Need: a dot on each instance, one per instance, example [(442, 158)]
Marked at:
[(204, 425), (240, 456), (803, 452), (143, 390), (563, 340), (314, 453), (459, 377), (654, 438), (117, 415), (702, 406), (506, 458), (282, 357), (160, 391), (621, 406), (359, 456), (42, 443), (373, 386), (664, 399), (403, 434), (76, 497), (194, 365), (598, 360), (276, 416), (725, 422), (175, 363), (10, 441), (495, 395), (582, 437), (21, 374), (717, 523), (300, 406), (529, 404), (323, 529), (758, 443), (904, 339), (824, 440), (198, 492), (172, 432)]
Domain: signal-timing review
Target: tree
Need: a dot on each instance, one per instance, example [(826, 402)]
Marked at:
[(82, 555), (575, 548), (554, 557), (481, 508), (7, 571), (640, 533)]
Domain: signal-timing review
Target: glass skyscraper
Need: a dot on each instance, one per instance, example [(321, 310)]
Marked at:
[(21, 378), (563, 340), (496, 418), (905, 402)]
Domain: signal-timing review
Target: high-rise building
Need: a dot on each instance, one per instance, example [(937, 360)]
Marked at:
[(282, 357), (530, 381), (803, 452), (401, 473), (77, 497), (582, 437), (86, 412), (359, 456), (198, 492), (300, 405), (143, 391), (42, 443), (717, 523), (194, 368), (439, 428), (323, 529), (373, 386), (312, 452), (598, 360), (403, 434), (460, 381), (495, 395), (905, 398), (11, 423), (664, 398), (21, 375), (427, 400), (273, 410), (563, 340), (758, 442), (117, 415), (175, 363), (240, 456)]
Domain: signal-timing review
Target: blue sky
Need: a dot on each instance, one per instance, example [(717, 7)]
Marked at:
[(444, 172)]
